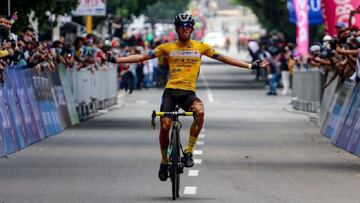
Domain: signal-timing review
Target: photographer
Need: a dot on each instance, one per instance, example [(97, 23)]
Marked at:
[(338, 54)]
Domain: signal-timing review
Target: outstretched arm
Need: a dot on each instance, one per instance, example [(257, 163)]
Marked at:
[(128, 59), (236, 62)]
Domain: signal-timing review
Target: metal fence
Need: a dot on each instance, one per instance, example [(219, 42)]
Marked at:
[(307, 89), (93, 89), (36, 105)]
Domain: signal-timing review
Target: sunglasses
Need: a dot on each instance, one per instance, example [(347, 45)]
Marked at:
[(186, 25)]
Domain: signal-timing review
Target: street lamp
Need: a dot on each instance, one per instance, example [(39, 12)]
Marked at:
[(9, 12)]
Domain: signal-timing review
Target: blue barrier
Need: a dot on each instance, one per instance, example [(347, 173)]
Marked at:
[(10, 139), (27, 79), (342, 139), (14, 107), (342, 124), (338, 109), (31, 130), (2, 149), (35, 105)]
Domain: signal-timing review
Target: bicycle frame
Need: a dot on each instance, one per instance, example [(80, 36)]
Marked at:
[(175, 165)]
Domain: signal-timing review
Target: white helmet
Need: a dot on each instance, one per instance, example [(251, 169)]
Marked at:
[(327, 38), (315, 48)]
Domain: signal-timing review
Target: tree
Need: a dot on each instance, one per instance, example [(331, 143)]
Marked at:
[(165, 10), (40, 8), (273, 15), (125, 8)]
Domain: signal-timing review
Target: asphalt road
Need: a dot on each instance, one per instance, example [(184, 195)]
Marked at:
[(254, 148)]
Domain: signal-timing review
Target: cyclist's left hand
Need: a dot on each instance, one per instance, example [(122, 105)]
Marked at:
[(264, 64), (259, 64)]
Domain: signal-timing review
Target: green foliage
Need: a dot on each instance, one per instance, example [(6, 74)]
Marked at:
[(165, 11), (125, 8), (40, 7), (272, 15)]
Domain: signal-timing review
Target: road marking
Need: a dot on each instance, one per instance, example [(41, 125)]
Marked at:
[(190, 190), (198, 152), (207, 87), (197, 161), (202, 135), (199, 142), (193, 172), (142, 102)]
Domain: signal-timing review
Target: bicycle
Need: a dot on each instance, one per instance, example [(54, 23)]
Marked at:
[(176, 167)]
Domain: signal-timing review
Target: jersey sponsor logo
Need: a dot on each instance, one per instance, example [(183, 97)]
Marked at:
[(184, 60), (184, 53)]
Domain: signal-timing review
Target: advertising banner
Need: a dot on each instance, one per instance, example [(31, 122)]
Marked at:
[(48, 86), (27, 79), (349, 123), (327, 100), (49, 105), (10, 139), (315, 14), (59, 99), (2, 147), (35, 134), (67, 84), (40, 98), (338, 110), (90, 8), (338, 11), (302, 26), (15, 109), (357, 151), (31, 131), (354, 134)]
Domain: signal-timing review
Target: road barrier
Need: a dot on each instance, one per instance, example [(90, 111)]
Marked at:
[(307, 89), (338, 111), (35, 105)]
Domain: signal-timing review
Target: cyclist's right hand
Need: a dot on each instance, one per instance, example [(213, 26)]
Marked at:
[(111, 58), (107, 56)]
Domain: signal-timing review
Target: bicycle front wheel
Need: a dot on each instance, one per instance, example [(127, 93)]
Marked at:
[(174, 169)]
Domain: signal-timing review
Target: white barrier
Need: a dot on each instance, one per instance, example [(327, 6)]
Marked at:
[(307, 89), (93, 89)]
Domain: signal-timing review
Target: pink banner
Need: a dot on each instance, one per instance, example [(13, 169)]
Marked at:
[(336, 11), (302, 26)]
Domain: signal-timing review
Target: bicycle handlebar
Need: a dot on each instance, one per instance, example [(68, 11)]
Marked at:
[(173, 114)]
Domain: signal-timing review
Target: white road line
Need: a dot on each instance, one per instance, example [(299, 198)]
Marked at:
[(103, 111), (193, 173), (197, 161), (198, 152), (207, 87), (142, 102), (199, 142), (190, 190), (202, 135)]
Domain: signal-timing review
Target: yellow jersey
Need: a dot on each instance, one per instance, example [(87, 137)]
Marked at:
[(184, 62)]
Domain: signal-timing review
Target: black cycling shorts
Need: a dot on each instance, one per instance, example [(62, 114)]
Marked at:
[(173, 97)]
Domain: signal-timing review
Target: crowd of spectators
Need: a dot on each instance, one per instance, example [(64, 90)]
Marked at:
[(339, 54), (282, 56), (26, 51)]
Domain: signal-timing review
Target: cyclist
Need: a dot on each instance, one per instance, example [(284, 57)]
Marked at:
[(184, 58)]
